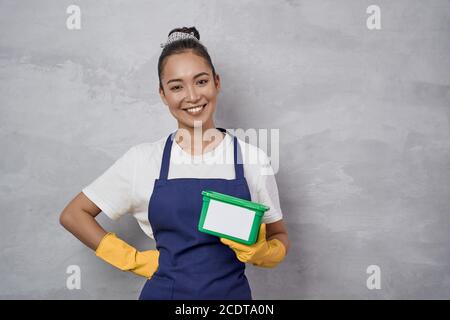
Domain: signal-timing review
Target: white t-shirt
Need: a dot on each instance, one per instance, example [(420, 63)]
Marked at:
[(126, 187)]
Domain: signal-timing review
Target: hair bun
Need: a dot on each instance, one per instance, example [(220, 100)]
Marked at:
[(192, 30)]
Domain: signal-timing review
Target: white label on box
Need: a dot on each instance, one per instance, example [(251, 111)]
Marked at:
[(229, 219)]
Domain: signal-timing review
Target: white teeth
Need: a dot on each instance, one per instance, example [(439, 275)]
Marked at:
[(195, 109)]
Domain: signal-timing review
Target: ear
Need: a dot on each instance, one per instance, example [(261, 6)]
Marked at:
[(163, 96), (217, 82)]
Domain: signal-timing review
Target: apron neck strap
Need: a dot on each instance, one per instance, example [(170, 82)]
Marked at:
[(238, 163)]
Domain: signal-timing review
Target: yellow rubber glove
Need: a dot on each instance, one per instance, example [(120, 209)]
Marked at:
[(262, 253), (125, 257)]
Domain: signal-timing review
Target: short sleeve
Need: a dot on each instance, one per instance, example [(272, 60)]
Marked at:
[(113, 191), (267, 190)]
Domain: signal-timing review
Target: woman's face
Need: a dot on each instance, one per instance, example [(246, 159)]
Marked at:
[(190, 91)]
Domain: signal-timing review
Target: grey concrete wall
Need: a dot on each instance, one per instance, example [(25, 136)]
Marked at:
[(364, 126)]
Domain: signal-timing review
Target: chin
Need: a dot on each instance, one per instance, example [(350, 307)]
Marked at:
[(189, 121)]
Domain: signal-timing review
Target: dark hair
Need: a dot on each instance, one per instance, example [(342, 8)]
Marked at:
[(181, 46)]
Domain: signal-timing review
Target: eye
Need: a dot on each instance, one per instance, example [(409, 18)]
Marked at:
[(203, 81), (175, 88)]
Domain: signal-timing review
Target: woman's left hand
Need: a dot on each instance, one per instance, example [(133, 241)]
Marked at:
[(262, 253)]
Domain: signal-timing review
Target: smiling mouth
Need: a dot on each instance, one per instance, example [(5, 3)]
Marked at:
[(196, 110)]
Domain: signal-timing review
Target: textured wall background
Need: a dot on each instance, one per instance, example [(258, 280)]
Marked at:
[(364, 125)]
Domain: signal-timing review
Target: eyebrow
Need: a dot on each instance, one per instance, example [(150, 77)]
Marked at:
[(196, 76)]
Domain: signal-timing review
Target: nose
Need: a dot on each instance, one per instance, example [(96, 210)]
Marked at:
[(191, 94)]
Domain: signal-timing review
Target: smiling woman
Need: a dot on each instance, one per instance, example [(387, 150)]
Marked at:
[(187, 264)]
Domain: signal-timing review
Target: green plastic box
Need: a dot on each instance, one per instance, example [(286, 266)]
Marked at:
[(229, 217)]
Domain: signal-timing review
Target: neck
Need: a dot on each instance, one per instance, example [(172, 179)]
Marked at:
[(194, 140)]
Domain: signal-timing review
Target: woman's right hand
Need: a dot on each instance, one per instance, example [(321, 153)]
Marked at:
[(79, 219), (120, 254), (148, 263)]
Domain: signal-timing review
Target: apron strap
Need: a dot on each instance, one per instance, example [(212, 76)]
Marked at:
[(163, 173), (238, 163)]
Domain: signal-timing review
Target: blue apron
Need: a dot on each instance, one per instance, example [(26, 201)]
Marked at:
[(193, 265)]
